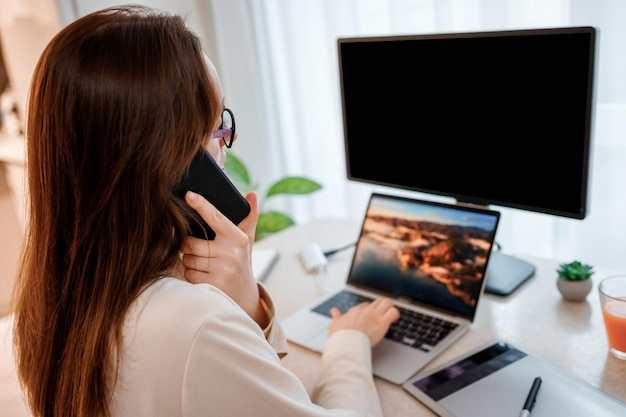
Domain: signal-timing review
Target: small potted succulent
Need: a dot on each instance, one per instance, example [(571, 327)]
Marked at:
[(574, 280)]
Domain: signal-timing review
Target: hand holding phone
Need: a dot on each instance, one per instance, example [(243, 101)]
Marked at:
[(205, 177)]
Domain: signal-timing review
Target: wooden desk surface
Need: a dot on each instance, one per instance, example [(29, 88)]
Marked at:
[(534, 318)]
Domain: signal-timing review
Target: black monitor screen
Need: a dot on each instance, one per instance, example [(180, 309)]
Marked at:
[(491, 118)]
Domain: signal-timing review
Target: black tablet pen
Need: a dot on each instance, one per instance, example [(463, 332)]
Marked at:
[(530, 400)]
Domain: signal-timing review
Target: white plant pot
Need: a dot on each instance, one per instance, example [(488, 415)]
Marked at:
[(574, 290)]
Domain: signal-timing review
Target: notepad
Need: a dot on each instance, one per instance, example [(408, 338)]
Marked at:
[(262, 262), (493, 381)]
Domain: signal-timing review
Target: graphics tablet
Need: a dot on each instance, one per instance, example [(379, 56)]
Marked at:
[(493, 380)]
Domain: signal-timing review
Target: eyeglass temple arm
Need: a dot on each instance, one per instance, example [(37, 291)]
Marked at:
[(222, 133)]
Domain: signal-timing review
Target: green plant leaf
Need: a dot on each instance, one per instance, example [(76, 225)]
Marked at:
[(237, 171), (272, 222), (269, 221), (293, 185), (575, 271)]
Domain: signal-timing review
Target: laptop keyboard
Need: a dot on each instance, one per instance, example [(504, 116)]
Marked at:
[(414, 329)]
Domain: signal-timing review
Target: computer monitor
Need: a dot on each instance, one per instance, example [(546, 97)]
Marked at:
[(498, 118)]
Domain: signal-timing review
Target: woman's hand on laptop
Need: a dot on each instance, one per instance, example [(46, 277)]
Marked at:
[(372, 318)]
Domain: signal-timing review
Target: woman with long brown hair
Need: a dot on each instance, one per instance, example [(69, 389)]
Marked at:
[(119, 311)]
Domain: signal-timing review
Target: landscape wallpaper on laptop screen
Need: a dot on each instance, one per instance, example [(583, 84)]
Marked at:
[(435, 254)]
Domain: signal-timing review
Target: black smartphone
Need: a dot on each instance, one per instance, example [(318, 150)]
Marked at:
[(205, 177)]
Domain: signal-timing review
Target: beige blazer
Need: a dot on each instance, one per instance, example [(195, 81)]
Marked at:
[(190, 350)]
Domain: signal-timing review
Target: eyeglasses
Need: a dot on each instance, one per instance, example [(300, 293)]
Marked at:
[(226, 130)]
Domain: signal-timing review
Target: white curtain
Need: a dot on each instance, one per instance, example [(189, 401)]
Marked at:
[(278, 63)]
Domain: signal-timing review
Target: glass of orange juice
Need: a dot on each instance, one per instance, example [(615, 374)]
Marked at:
[(612, 292)]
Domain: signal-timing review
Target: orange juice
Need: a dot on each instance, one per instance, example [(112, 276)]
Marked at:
[(614, 312)]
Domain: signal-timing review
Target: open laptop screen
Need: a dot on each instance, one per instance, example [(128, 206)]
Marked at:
[(434, 254)]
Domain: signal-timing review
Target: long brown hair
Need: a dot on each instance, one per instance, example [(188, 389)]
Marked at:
[(120, 101)]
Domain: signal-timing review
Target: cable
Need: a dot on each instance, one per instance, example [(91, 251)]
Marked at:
[(331, 252)]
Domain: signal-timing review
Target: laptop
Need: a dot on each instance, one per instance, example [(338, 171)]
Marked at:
[(431, 259)]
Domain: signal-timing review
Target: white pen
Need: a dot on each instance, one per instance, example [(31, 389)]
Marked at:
[(532, 397)]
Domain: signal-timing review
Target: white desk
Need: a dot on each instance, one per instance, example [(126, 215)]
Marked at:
[(534, 318)]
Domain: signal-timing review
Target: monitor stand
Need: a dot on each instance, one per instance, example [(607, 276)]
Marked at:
[(506, 273)]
